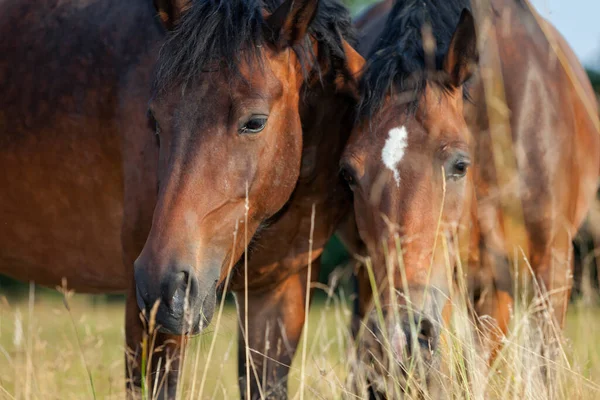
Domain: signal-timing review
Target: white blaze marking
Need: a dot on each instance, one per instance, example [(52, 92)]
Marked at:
[(393, 150)]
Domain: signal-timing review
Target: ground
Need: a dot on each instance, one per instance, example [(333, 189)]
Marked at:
[(46, 351)]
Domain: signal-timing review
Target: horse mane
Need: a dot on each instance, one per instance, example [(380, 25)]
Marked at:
[(231, 32), (397, 62)]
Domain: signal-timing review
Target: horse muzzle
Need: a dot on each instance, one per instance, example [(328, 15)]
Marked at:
[(178, 303)]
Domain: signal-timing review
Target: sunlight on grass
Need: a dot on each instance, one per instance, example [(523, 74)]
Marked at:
[(40, 358)]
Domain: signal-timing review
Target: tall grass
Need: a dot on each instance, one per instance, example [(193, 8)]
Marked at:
[(535, 359), (48, 351)]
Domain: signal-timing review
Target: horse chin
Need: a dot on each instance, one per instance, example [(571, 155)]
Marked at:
[(189, 324), (195, 332), (192, 333), (406, 368), (401, 385), (192, 329)]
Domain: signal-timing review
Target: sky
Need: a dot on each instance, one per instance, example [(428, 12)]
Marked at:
[(579, 23)]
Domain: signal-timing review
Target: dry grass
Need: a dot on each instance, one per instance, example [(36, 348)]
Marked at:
[(41, 358)]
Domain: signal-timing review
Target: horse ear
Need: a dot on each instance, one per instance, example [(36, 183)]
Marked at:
[(170, 11), (288, 24), (354, 63), (462, 57)]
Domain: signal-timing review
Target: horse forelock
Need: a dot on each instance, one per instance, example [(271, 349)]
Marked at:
[(397, 63), (224, 34)]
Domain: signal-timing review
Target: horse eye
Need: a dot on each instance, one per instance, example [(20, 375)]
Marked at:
[(459, 168), (157, 134), (348, 176), (254, 125)]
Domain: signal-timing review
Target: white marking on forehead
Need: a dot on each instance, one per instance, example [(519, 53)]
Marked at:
[(393, 150)]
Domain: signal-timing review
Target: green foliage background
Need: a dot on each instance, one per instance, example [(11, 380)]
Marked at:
[(595, 78)]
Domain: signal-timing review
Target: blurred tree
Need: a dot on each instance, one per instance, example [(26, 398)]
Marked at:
[(334, 255), (357, 5), (11, 287), (595, 78)]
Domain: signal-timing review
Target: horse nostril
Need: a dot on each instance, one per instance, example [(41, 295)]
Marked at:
[(181, 283), (178, 288), (183, 277), (427, 334)]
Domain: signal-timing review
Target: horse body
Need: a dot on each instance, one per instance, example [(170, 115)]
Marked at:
[(555, 142), (65, 70), (77, 153), (528, 132)]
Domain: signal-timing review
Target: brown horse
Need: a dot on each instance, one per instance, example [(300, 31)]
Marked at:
[(251, 106), (424, 165), (77, 153), (74, 86)]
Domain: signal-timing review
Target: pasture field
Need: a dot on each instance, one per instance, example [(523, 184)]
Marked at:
[(50, 352)]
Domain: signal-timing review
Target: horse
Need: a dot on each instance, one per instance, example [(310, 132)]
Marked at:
[(248, 115), (439, 192), (77, 151), (253, 103)]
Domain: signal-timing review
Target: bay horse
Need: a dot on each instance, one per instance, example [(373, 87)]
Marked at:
[(425, 168), (250, 103), (253, 103), (77, 153)]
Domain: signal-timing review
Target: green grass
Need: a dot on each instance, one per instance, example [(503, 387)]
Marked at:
[(46, 361)]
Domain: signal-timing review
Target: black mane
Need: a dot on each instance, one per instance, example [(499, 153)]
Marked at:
[(397, 62), (231, 31)]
